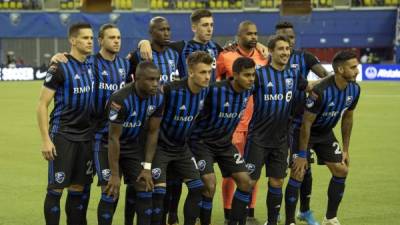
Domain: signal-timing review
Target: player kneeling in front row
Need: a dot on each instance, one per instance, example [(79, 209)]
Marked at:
[(334, 97), (128, 111), (211, 140)]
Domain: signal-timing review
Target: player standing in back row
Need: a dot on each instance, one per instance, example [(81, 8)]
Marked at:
[(67, 140)]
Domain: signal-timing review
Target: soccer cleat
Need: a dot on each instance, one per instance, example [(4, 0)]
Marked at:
[(307, 217), (333, 221), (226, 222), (252, 221)]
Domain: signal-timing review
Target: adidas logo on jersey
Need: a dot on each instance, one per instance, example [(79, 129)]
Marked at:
[(331, 104), (226, 104), (182, 108), (104, 73), (77, 77), (270, 84), (134, 113)]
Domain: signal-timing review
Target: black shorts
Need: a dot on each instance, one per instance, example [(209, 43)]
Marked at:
[(325, 146), (274, 159), (229, 159), (293, 140), (73, 164), (129, 164), (180, 163)]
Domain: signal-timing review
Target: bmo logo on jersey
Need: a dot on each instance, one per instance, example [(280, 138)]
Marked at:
[(110, 87), (278, 97)]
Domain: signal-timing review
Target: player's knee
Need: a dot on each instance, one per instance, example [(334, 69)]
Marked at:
[(342, 171), (209, 189), (253, 182), (76, 187), (244, 182), (296, 175), (275, 182)]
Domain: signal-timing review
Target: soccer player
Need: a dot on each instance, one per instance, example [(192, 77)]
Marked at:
[(110, 73), (303, 61), (183, 101), (333, 98), (247, 41), (166, 59), (267, 138), (128, 112), (211, 139), (163, 56), (202, 26), (67, 140)]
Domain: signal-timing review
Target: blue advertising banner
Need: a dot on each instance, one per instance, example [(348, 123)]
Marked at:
[(380, 72)]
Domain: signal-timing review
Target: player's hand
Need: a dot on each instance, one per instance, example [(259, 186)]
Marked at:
[(345, 158), (112, 188), (145, 177), (59, 58), (145, 50), (49, 150), (129, 56), (262, 49), (230, 46), (299, 165)]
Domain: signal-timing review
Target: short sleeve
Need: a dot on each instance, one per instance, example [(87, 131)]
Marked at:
[(177, 46), (310, 59), (314, 102), (354, 103), (221, 70), (54, 77), (116, 110)]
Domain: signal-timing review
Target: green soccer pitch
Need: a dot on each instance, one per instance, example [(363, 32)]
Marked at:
[(372, 195)]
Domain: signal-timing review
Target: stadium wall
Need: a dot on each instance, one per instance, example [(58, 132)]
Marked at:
[(35, 33)]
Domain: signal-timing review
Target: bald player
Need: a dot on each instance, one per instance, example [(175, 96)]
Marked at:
[(247, 37)]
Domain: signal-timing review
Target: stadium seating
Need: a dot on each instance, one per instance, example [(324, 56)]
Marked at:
[(195, 4)]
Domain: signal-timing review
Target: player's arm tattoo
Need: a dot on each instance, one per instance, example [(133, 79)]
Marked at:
[(319, 70), (347, 125), (305, 130), (152, 138), (115, 131)]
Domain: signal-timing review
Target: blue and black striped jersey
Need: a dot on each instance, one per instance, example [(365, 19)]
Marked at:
[(185, 48), (181, 109), (273, 102), (72, 83), (221, 114), (166, 61), (302, 61), (329, 103), (109, 76), (125, 107)]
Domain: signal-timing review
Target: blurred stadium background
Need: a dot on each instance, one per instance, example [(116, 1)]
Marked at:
[(33, 30)]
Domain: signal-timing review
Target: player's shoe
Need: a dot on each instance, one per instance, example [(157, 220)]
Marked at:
[(226, 222), (333, 221), (252, 221), (307, 217)]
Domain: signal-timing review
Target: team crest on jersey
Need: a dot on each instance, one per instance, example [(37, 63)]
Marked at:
[(156, 173), (48, 77), (201, 105), (214, 63), (201, 164), (244, 104), (171, 64), (114, 109), (310, 101), (294, 66), (150, 110), (349, 100), (289, 83), (59, 177), (122, 72), (250, 167), (106, 174)]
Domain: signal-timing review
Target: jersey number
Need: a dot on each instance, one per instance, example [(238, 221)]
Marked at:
[(89, 165), (238, 158), (195, 163), (337, 150)]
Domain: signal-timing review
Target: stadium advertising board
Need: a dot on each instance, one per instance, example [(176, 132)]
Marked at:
[(24, 73), (380, 72)]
